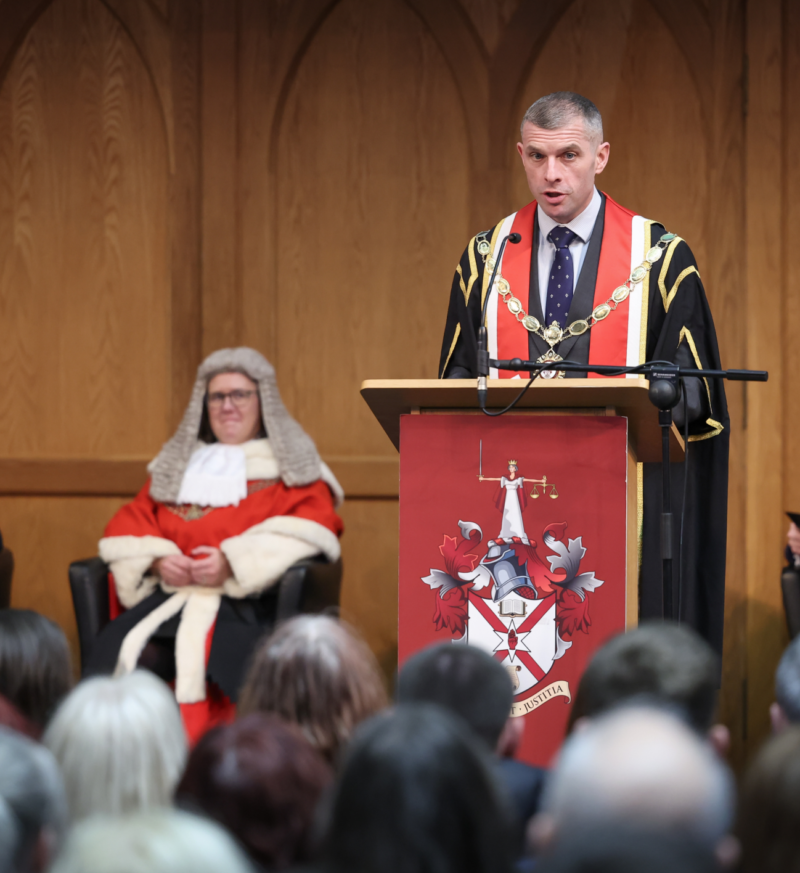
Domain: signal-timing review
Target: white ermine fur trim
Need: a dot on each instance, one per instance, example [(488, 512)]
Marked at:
[(130, 558), (197, 619), (136, 638), (333, 483), (259, 561), (263, 553)]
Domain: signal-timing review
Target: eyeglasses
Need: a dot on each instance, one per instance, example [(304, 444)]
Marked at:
[(239, 398)]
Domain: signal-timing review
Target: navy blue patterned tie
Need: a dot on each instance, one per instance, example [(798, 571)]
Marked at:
[(561, 282)]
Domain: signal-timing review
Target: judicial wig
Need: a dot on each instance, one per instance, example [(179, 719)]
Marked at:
[(416, 795)]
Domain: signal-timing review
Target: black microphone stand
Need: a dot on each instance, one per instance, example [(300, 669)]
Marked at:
[(664, 393), (483, 354)]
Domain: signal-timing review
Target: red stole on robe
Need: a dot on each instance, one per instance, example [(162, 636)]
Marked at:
[(617, 340)]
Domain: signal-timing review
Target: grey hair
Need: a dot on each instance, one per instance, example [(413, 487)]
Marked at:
[(641, 766), (297, 457), (120, 744), (559, 108), (166, 841), (787, 681), (32, 800)]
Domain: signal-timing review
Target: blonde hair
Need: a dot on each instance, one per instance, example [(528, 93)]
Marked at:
[(166, 841), (120, 744), (317, 672)]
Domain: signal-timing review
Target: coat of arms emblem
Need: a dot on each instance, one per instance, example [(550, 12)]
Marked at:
[(517, 599)]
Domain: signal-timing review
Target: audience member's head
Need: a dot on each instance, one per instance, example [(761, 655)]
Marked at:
[(769, 808), (662, 662), (642, 767), (163, 841), (469, 682), (627, 850), (315, 672), (33, 810), (262, 780), (120, 745), (786, 709), (416, 792), (35, 669)]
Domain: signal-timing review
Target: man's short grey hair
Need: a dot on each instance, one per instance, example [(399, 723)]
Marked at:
[(787, 682), (641, 767), (120, 744), (32, 802), (166, 841), (559, 108)]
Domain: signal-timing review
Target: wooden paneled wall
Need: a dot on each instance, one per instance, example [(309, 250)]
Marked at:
[(301, 177)]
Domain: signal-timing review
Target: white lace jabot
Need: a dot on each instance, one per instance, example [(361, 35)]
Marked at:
[(216, 475)]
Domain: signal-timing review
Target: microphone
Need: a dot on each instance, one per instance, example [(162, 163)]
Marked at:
[(483, 354)]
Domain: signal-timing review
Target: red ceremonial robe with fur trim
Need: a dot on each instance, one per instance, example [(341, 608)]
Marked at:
[(299, 521)]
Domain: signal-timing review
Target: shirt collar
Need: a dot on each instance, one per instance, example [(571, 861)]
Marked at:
[(582, 225)]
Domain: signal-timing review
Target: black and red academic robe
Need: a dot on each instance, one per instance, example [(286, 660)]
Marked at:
[(666, 318)]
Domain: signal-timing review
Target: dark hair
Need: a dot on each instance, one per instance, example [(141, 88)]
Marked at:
[(557, 109), (316, 672), (261, 779), (662, 662), (464, 679), (35, 664), (626, 850), (768, 823), (416, 795)]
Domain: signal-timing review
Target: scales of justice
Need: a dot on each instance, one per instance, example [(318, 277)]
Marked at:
[(504, 563)]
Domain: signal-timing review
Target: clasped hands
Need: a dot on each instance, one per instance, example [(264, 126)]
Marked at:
[(210, 568)]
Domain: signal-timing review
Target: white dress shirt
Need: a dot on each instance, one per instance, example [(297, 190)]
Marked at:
[(582, 225)]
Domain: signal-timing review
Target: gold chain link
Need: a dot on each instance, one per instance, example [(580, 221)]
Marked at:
[(554, 334)]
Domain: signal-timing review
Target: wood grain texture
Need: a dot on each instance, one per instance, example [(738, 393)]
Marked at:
[(220, 122), (46, 534), (372, 205), (359, 477), (764, 521), (490, 19), (649, 105), (273, 41), (369, 583), (83, 254), (186, 311), (791, 301), (724, 279)]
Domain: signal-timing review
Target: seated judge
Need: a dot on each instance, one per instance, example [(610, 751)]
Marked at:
[(592, 282), (236, 497)]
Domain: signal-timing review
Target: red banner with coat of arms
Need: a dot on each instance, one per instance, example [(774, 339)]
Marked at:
[(513, 539)]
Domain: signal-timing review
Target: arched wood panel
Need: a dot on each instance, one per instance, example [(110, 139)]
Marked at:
[(84, 267), (651, 111), (372, 196)]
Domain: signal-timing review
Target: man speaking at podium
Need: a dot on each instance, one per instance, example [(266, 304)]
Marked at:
[(592, 282)]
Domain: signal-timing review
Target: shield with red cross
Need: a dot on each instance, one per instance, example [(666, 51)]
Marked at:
[(520, 633)]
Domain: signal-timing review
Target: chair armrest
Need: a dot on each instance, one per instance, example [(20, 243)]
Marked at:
[(312, 585), (790, 586), (6, 574), (88, 581)]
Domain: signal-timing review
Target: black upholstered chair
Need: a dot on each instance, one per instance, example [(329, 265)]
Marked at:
[(6, 574), (312, 585), (790, 588)]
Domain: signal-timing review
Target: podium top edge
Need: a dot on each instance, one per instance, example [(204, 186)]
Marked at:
[(639, 383)]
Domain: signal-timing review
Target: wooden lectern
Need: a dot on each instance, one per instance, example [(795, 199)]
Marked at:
[(521, 533)]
